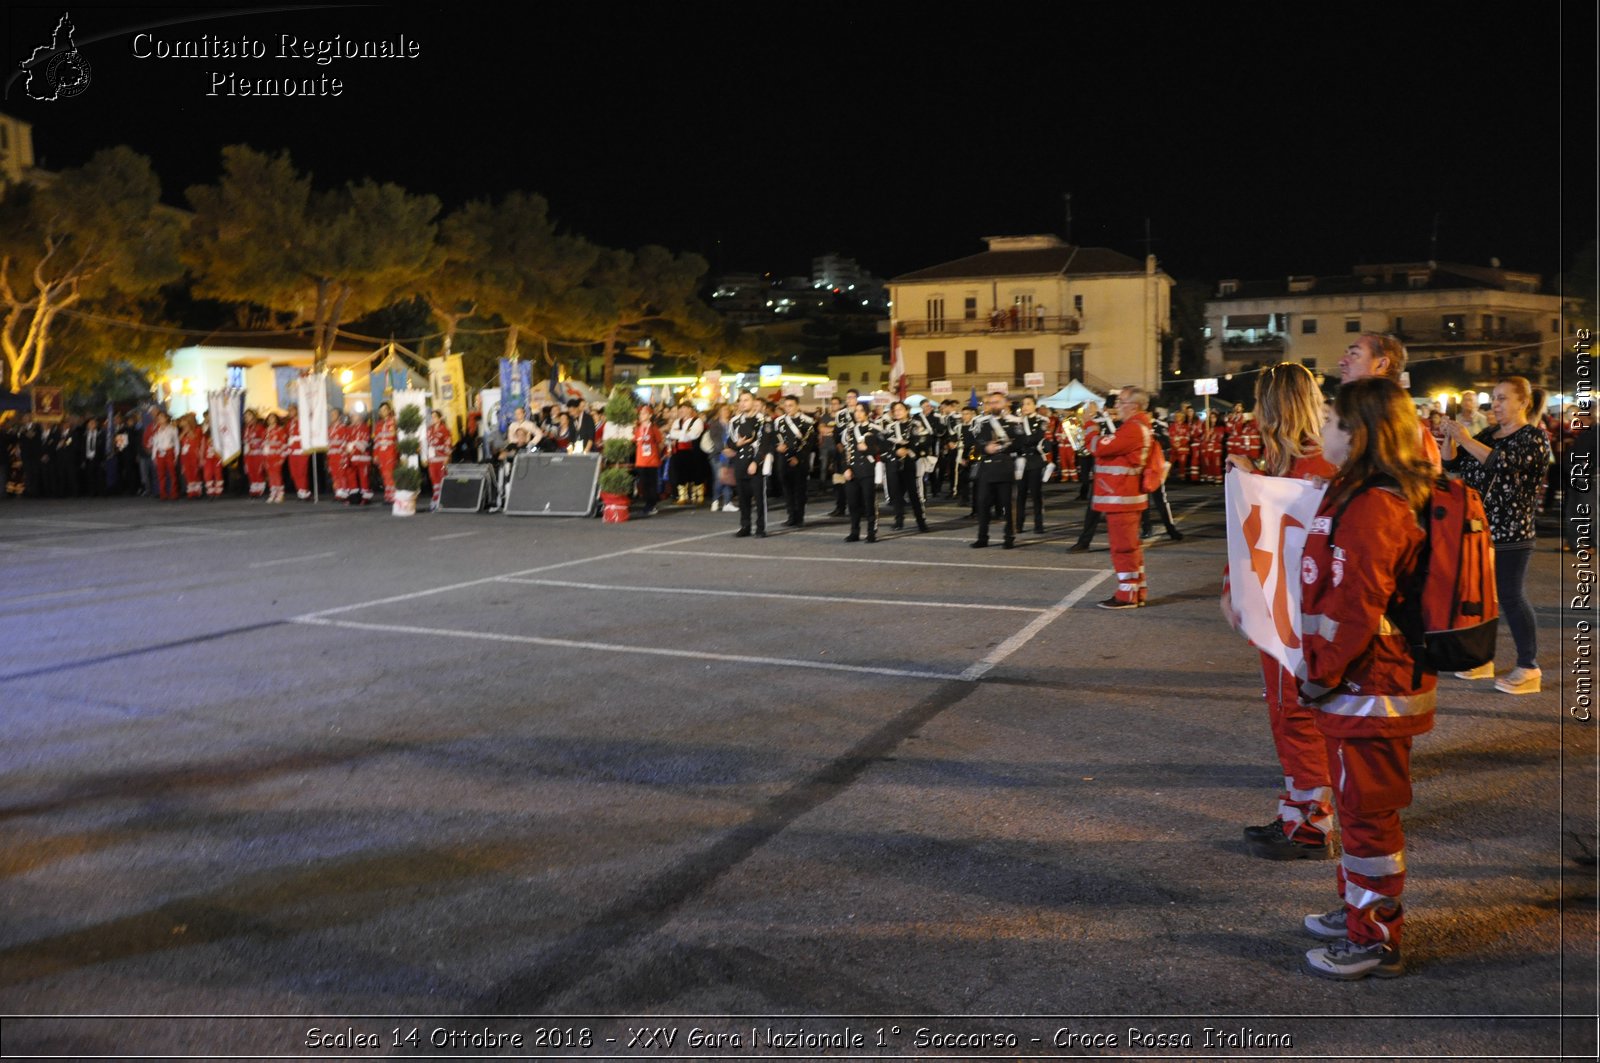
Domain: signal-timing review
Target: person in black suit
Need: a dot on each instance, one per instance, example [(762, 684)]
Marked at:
[(999, 440), (91, 452), (584, 430)]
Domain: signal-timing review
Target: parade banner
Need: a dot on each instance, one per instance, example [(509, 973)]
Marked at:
[(311, 405), (223, 414), (516, 382), (489, 411), (1268, 518), (447, 379)]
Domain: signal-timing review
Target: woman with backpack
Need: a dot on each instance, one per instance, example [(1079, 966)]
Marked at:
[(1506, 464), (1371, 694), (1289, 408)]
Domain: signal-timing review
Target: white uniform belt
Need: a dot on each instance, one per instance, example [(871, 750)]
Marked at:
[(1113, 470), (1118, 500)]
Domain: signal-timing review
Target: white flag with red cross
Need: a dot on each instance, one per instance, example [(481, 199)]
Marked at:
[(1268, 519)]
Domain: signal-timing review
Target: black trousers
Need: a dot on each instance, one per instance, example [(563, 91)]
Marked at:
[(1031, 486), (1085, 476), (1091, 522), (1160, 508), (902, 481), (994, 494), (649, 485), (862, 494), (794, 479), (752, 492), (944, 472)]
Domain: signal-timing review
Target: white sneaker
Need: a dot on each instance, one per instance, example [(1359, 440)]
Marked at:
[(1483, 671), (1519, 681), (716, 507)]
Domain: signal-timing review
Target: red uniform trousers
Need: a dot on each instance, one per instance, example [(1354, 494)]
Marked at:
[(213, 474), (1067, 459), (1306, 804), (361, 474), (436, 477), (339, 472), (1180, 462), (385, 459), (189, 462), (1127, 554), (1372, 784), (255, 469), (300, 471), (166, 474), (274, 464)]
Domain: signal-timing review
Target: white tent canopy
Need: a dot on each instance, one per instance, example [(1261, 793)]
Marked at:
[(1070, 397)]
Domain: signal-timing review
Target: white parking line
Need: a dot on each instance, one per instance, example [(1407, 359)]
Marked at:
[(289, 560), (500, 575), (764, 594), (452, 535), (768, 558), (1036, 625), (574, 644)]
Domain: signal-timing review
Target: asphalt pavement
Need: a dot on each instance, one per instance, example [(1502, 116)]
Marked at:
[(313, 763)]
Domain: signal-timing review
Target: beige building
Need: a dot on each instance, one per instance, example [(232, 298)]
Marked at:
[(866, 372), (16, 151), (1034, 304), (1494, 321)]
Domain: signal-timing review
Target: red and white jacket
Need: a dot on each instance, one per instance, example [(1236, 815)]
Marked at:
[(647, 445), (255, 439), (439, 443), (358, 441), (277, 441), (1351, 648), (1119, 461), (385, 438)]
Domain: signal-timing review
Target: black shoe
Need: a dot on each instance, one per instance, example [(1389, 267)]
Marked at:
[(1280, 846), (838, 513), (1078, 548), (980, 544), (1009, 544), (1266, 830), (742, 533), (853, 537), (762, 534), (799, 524), (872, 537), (1113, 603), (922, 525), (1175, 536), (1038, 529)]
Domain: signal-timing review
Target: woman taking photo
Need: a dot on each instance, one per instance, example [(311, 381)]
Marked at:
[(1370, 694), (1506, 464), (1289, 408)]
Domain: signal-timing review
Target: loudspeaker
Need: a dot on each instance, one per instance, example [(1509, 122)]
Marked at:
[(465, 490), (553, 484)]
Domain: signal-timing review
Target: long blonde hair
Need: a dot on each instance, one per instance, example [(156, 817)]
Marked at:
[(1384, 441), (1289, 411)]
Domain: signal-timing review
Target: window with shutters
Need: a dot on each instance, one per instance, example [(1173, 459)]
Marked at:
[(1308, 326), (936, 314), (971, 359), (969, 308), (1075, 365), (1022, 362), (935, 365)]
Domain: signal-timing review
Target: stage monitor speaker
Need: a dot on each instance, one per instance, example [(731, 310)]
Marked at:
[(553, 484), (465, 490)]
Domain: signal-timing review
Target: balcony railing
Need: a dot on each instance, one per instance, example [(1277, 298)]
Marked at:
[(1067, 323), (1469, 335), (1266, 339)]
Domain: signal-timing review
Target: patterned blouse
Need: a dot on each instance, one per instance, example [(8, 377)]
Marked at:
[(1510, 481)]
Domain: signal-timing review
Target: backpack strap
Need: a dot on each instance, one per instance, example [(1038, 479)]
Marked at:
[(1405, 610)]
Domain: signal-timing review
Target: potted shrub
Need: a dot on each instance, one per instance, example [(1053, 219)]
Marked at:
[(408, 473), (616, 490)]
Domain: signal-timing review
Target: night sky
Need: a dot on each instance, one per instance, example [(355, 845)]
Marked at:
[(1258, 140)]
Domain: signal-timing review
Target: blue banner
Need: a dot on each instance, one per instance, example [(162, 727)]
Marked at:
[(516, 383)]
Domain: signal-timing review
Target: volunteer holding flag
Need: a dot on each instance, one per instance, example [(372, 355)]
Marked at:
[(1289, 408)]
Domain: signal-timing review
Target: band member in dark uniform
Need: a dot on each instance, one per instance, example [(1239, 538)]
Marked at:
[(902, 450), (927, 429), (749, 451), (862, 448), (796, 439), (999, 442), (965, 436), (1034, 430)]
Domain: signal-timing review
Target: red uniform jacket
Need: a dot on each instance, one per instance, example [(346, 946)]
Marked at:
[(647, 446), (1350, 646), (385, 438), (1119, 462), (277, 441), (357, 441), (255, 439), (438, 443)]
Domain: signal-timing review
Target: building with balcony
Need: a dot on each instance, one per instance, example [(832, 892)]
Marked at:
[(1480, 322), (1034, 304)]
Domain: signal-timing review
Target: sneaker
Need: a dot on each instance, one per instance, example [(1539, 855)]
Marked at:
[(1282, 847), (1327, 926), (1483, 671), (1346, 962), (1077, 548), (1114, 603), (1519, 681), (716, 507)]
